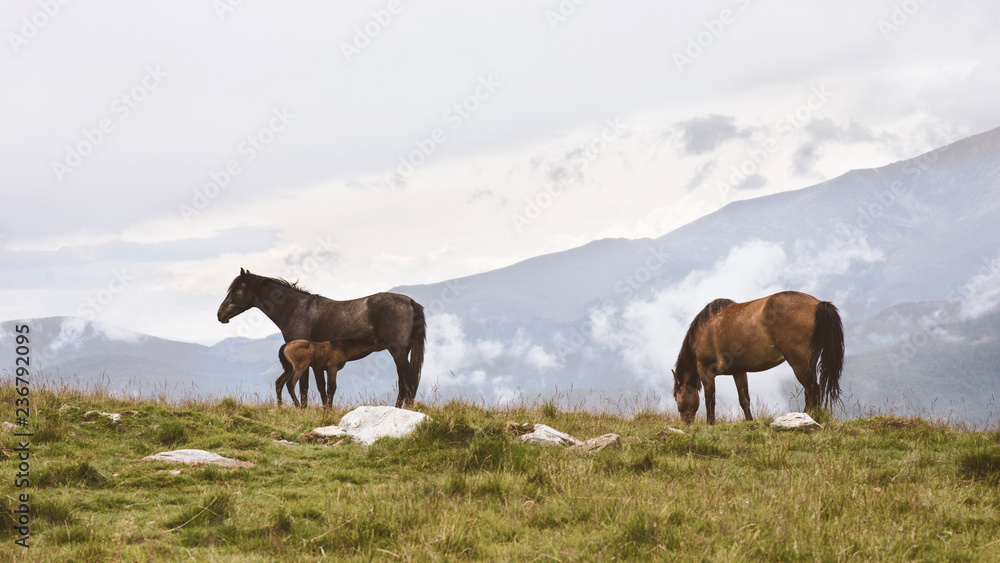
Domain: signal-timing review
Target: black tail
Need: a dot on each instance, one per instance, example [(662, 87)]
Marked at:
[(417, 338), (828, 351)]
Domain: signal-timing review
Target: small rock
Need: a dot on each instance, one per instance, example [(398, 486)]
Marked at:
[(285, 443), (675, 430), (547, 436), (613, 441), (795, 420), (196, 457), (8, 427)]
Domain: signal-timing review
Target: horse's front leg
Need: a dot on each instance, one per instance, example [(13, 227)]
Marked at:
[(331, 384), (708, 382), (282, 380), (744, 393)]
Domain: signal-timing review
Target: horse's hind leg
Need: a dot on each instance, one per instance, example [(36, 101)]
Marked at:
[(744, 393), (806, 374), (280, 382), (291, 387), (407, 389)]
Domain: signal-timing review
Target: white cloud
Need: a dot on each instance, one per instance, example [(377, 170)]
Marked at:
[(71, 332), (454, 362), (540, 359), (981, 294), (489, 349)]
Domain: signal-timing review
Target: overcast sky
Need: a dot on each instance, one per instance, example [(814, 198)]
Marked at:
[(148, 150)]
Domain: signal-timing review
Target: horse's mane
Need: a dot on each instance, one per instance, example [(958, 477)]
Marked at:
[(254, 280), (686, 357)]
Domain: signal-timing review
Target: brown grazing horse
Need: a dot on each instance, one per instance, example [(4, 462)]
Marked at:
[(298, 356), (728, 338), (397, 321)]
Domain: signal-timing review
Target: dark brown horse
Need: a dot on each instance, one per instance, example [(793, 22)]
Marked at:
[(395, 320), (298, 356), (728, 338)]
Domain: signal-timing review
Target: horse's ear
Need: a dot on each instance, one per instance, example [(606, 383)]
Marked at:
[(243, 272)]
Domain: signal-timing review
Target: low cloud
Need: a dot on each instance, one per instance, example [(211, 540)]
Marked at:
[(981, 293), (455, 362)]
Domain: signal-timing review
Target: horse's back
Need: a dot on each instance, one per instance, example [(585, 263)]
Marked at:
[(301, 351)]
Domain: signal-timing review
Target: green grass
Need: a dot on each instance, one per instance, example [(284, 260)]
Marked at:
[(461, 488)]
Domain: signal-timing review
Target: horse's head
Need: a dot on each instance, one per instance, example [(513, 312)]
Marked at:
[(686, 395), (239, 299)]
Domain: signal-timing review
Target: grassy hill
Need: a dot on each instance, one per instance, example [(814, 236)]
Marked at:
[(461, 488)]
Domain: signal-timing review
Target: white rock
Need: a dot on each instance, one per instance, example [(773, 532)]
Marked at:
[(795, 420), (548, 436), (364, 425), (196, 457), (8, 427)]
